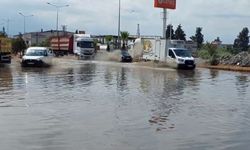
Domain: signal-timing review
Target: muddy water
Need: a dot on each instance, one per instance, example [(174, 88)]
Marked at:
[(109, 106)]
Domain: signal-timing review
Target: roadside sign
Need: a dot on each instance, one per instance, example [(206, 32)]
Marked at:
[(170, 4)]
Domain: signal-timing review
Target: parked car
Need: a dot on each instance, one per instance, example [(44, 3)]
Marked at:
[(37, 56), (125, 56)]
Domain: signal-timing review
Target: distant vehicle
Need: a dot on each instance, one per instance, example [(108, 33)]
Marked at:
[(81, 45), (125, 56), (37, 56), (5, 50)]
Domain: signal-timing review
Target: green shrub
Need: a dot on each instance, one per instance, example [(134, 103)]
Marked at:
[(203, 54), (213, 53), (223, 52), (214, 60)]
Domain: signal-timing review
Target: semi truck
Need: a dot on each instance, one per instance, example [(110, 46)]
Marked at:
[(171, 52), (5, 50), (81, 45)]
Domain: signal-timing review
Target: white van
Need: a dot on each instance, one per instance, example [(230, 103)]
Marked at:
[(37, 56), (180, 58)]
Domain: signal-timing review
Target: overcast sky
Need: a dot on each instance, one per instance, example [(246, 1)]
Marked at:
[(218, 18)]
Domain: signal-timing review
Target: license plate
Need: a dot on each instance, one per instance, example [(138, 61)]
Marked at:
[(30, 63), (190, 66)]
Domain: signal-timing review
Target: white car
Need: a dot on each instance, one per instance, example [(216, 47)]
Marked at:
[(37, 56)]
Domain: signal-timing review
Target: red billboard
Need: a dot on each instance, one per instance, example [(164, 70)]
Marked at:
[(170, 4)]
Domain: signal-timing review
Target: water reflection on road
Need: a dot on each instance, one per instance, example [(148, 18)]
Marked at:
[(106, 105)]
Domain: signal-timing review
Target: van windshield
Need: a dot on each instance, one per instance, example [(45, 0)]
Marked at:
[(182, 53), (85, 44), (36, 53)]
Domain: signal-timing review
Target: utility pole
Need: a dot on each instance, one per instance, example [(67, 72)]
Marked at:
[(164, 22), (57, 18), (138, 31), (119, 25)]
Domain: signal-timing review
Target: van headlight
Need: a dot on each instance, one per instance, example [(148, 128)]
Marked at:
[(181, 60)]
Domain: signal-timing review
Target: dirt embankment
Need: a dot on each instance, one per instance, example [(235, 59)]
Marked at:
[(226, 67), (239, 62)]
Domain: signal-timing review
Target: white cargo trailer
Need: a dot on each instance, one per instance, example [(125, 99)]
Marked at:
[(171, 52)]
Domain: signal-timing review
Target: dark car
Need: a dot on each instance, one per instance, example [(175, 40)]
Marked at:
[(125, 56)]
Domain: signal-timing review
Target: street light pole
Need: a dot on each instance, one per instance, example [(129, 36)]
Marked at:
[(119, 25), (164, 22), (24, 21), (57, 12), (57, 18)]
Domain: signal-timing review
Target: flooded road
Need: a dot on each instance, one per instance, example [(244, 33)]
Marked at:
[(84, 105)]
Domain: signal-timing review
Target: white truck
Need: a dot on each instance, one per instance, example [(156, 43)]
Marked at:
[(84, 46), (171, 52), (78, 44)]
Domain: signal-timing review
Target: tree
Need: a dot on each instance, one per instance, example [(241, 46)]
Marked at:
[(179, 33), (124, 37), (3, 33), (242, 41), (108, 38), (18, 44), (199, 37), (170, 32), (193, 38)]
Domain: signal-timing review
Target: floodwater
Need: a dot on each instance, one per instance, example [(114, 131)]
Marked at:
[(84, 105)]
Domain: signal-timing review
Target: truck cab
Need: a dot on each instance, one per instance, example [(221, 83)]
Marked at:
[(84, 45), (180, 58)]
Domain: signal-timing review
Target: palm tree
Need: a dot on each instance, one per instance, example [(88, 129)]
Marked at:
[(124, 37), (108, 39)]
